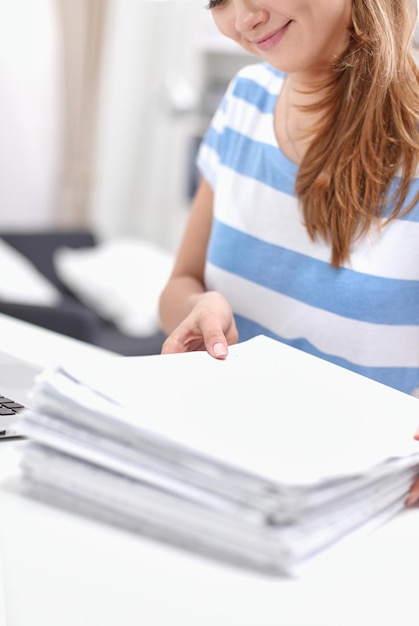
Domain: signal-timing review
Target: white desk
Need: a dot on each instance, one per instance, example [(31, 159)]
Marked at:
[(62, 569)]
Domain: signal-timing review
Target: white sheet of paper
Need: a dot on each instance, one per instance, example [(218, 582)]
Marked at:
[(2, 598), (268, 408)]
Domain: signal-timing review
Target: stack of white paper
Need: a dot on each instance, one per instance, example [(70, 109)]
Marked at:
[(2, 599), (264, 459)]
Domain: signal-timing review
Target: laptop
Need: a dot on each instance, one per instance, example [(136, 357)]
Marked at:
[(16, 380)]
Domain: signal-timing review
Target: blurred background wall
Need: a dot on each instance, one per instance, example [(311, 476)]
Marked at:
[(149, 98), (103, 103), (30, 111), (50, 56)]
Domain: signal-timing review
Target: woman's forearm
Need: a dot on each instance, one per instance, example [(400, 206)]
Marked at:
[(177, 300)]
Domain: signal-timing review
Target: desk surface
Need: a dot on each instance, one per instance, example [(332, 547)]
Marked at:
[(60, 568)]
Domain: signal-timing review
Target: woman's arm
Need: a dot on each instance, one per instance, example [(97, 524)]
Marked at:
[(193, 318)]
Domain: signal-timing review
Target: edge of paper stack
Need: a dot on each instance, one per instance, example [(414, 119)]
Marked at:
[(93, 454)]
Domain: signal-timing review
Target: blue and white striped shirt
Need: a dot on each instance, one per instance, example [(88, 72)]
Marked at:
[(363, 316)]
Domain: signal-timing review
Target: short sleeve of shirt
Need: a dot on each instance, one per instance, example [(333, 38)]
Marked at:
[(210, 151), (246, 110)]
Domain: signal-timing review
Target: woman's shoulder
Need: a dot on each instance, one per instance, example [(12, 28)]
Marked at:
[(262, 74), (257, 84)]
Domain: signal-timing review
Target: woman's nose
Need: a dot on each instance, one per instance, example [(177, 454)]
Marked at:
[(249, 14)]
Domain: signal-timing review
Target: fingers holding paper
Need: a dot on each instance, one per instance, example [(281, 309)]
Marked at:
[(413, 497), (209, 326)]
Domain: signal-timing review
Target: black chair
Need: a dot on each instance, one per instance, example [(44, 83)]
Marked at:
[(70, 317)]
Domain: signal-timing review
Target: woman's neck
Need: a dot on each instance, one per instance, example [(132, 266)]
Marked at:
[(294, 122)]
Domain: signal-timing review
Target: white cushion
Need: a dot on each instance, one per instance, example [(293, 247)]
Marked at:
[(120, 279), (22, 282)]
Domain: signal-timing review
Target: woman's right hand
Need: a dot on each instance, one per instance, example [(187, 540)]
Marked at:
[(209, 326)]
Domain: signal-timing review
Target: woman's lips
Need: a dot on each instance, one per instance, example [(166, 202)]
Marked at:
[(269, 41)]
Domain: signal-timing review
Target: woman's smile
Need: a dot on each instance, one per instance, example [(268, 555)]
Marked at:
[(269, 41)]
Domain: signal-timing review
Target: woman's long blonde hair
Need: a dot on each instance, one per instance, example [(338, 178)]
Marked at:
[(369, 128)]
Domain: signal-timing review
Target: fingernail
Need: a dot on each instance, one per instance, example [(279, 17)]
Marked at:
[(219, 349)]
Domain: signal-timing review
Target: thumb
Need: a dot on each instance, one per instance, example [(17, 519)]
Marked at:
[(216, 345), (219, 349)]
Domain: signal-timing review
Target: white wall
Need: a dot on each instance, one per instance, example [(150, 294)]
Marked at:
[(143, 139), (150, 84), (29, 113), (139, 180)]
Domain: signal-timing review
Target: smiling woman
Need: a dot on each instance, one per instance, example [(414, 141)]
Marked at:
[(311, 34), (305, 224)]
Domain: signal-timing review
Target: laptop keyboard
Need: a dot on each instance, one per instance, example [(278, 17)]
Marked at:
[(9, 406)]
